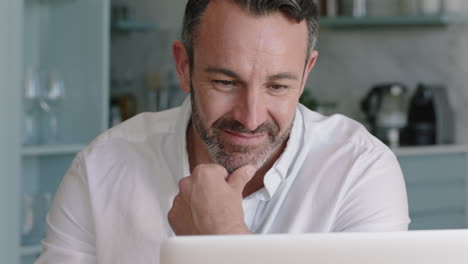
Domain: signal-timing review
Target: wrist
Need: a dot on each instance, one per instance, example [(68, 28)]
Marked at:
[(240, 229)]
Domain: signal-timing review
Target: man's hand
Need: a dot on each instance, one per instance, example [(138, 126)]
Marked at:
[(210, 201)]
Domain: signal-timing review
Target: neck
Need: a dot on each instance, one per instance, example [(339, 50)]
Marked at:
[(256, 183), (198, 154)]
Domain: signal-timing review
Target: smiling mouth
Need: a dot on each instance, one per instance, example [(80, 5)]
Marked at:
[(244, 138)]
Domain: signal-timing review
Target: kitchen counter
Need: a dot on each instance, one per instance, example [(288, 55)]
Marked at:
[(436, 179), (430, 150)]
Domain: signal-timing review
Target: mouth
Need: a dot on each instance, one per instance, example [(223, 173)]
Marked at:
[(238, 138)]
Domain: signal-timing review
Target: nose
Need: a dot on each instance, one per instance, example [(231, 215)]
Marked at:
[(251, 109)]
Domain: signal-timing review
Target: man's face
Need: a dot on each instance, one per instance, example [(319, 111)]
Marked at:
[(247, 77)]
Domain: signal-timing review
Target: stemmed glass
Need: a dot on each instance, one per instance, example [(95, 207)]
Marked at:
[(50, 99), (34, 212), (31, 95)]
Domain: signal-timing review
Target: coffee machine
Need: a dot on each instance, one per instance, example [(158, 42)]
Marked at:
[(430, 117), (384, 108)]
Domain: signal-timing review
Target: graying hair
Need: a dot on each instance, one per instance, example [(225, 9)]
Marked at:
[(295, 9)]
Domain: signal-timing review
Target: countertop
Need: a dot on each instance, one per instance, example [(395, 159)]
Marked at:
[(430, 150)]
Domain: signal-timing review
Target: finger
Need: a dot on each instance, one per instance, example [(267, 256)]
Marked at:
[(185, 188), (213, 172), (178, 200), (180, 217), (240, 177)]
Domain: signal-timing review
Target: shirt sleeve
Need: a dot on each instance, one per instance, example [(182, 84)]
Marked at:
[(375, 199), (70, 232)]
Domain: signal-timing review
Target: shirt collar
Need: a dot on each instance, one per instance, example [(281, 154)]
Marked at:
[(273, 178), (281, 168)]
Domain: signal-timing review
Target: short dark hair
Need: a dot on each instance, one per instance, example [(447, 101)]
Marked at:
[(295, 9)]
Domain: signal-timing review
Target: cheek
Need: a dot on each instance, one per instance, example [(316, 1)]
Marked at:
[(212, 107), (282, 112)]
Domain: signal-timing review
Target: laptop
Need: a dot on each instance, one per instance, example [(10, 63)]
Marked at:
[(413, 247)]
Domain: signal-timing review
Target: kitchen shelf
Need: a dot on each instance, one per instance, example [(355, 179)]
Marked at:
[(393, 21), (49, 150), (133, 26), (30, 250)]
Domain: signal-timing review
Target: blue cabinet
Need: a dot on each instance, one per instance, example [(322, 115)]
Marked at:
[(436, 185), (69, 41)]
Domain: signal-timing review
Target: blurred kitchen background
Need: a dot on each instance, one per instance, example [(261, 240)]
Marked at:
[(70, 69)]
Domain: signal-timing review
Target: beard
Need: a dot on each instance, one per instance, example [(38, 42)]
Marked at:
[(233, 156)]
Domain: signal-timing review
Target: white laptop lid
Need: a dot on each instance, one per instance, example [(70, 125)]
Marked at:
[(414, 247)]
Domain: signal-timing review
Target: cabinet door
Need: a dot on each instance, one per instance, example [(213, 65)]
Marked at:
[(67, 42), (436, 190), (66, 53)]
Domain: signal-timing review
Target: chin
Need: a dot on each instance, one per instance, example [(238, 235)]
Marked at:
[(234, 161)]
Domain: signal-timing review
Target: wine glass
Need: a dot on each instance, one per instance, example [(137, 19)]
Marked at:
[(50, 99), (35, 209), (31, 95)]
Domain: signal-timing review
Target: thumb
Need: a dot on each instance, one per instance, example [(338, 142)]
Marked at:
[(240, 177)]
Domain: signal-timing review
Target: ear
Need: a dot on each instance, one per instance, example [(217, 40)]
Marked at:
[(181, 60), (310, 65)]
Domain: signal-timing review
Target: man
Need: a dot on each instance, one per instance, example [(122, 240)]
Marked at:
[(240, 156)]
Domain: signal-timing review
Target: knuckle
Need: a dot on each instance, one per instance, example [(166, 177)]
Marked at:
[(201, 170), (208, 172), (176, 199), (183, 182), (171, 216), (220, 169)]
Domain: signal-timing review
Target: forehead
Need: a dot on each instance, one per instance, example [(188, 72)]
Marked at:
[(229, 34)]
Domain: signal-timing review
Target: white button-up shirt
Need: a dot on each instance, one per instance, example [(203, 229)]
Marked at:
[(112, 204)]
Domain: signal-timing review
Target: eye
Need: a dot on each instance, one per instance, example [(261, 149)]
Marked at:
[(278, 87), (224, 82)]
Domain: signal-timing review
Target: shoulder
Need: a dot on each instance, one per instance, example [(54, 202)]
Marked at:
[(338, 131), (142, 126), (137, 136)]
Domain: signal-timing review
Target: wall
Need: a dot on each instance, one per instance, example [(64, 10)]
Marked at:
[(350, 61)]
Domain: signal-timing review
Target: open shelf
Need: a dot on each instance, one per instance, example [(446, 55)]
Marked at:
[(393, 21), (44, 150)]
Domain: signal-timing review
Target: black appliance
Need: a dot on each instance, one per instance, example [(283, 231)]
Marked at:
[(430, 117)]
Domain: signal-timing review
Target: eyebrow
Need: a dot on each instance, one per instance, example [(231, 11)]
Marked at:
[(283, 75), (275, 77), (223, 71)]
